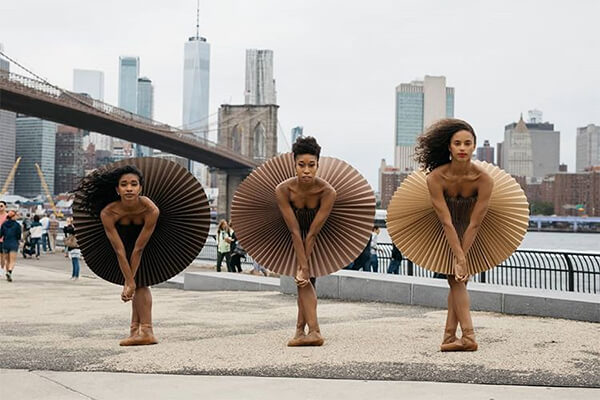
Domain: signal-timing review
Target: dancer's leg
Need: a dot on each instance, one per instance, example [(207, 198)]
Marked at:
[(144, 309), (461, 305), (134, 329)]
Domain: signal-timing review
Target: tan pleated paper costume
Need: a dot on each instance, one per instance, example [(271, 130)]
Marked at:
[(416, 230), (179, 235), (263, 233)]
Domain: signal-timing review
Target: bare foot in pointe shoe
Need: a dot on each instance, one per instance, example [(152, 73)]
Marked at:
[(297, 339), (146, 336), (313, 338), (449, 336), (134, 331), (465, 343)]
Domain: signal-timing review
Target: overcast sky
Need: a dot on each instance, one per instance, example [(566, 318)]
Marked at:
[(336, 63)]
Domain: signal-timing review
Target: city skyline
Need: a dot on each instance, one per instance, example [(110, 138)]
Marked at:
[(345, 101)]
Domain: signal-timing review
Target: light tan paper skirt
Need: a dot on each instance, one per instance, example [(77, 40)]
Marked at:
[(416, 230)]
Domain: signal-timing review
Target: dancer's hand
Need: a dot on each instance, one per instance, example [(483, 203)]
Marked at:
[(128, 291), (461, 273), (302, 279)]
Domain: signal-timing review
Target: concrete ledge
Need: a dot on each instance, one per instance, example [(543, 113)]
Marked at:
[(216, 281), (175, 282), (366, 286)]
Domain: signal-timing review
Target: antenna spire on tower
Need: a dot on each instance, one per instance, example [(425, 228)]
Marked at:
[(197, 19)]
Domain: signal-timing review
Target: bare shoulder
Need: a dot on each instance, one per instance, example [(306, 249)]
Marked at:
[(151, 208), (284, 186), (110, 212), (483, 178), (326, 188), (436, 176)]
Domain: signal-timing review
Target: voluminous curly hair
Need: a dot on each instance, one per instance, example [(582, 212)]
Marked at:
[(97, 190), (432, 148), (306, 145)]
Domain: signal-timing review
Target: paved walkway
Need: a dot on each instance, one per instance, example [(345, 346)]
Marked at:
[(50, 323), (20, 384)]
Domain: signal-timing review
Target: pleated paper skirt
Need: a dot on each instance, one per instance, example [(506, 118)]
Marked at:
[(416, 230), (261, 230), (179, 235)]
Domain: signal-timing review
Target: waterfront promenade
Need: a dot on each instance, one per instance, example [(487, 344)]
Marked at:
[(49, 323)]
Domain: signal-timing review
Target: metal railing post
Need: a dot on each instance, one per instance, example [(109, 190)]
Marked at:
[(570, 274), (409, 268)]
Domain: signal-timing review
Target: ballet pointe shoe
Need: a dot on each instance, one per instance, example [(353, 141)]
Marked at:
[(313, 338), (449, 336), (465, 343), (297, 339), (134, 331), (146, 336)]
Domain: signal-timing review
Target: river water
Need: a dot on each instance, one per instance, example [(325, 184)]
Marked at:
[(587, 242)]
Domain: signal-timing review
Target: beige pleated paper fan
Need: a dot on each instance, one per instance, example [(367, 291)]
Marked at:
[(261, 230), (180, 232), (416, 230)]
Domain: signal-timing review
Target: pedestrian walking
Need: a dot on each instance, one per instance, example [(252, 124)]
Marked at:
[(10, 232), (53, 226), (36, 232), (3, 259), (72, 247), (394, 267), (45, 221), (237, 252), (373, 263), (223, 245)]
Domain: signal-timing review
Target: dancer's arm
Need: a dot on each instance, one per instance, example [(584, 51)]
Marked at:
[(484, 192), (109, 220), (327, 201), (436, 192), (283, 202), (150, 219)]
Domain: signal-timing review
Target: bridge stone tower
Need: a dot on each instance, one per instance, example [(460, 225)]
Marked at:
[(250, 130)]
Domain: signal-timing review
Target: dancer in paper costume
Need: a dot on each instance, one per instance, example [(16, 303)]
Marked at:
[(456, 217), (306, 216), (140, 222)]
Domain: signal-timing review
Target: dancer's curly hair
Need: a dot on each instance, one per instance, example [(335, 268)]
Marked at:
[(432, 148), (306, 145), (97, 190)]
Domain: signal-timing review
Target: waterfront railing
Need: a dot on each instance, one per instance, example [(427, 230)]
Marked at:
[(540, 269)]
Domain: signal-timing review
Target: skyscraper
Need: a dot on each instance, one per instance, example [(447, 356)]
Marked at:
[(36, 143), (517, 155), (196, 74), (145, 108), (297, 132), (260, 85), (129, 72), (588, 147), (544, 147), (418, 105), (486, 152), (91, 82), (7, 137)]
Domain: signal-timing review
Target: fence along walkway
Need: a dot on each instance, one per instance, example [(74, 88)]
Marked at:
[(539, 269)]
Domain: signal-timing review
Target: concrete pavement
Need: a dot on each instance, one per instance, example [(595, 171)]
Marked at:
[(20, 384), (50, 323)]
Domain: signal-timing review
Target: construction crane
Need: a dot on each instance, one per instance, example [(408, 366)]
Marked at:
[(10, 177), (47, 190)]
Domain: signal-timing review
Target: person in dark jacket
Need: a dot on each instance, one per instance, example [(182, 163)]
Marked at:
[(10, 232), (394, 267)]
